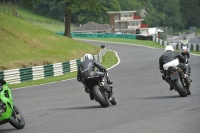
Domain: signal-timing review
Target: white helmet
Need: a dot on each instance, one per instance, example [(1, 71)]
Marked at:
[(169, 47), (87, 56)]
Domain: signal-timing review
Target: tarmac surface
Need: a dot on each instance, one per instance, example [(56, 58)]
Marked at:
[(144, 102)]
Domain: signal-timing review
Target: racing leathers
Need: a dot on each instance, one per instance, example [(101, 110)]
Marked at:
[(86, 69)]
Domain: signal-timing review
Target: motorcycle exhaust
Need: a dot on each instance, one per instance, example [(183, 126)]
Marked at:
[(184, 75), (102, 84)]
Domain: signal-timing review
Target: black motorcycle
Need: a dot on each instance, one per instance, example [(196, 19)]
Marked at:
[(100, 90), (179, 80)]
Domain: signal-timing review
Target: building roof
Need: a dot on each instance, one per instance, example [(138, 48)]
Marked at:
[(114, 12), (92, 26), (133, 20)]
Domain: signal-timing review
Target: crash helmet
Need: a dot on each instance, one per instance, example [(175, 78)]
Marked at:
[(169, 47), (184, 48), (87, 56)]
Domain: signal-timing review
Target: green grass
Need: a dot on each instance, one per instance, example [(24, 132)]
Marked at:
[(198, 31), (108, 60), (42, 21), (26, 14), (23, 44), (195, 52)]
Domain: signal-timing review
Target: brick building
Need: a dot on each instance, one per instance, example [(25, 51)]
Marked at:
[(127, 22)]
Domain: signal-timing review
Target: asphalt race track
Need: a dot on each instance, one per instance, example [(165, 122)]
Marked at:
[(144, 102)]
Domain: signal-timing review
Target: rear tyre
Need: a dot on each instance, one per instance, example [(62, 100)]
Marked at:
[(17, 119), (180, 88), (99, 97)]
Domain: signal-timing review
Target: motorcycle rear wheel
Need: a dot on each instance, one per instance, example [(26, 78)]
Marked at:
[(180, 88), (99, 97), (17, 119)]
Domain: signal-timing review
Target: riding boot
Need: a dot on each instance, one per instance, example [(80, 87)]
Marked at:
[(187, 75), (87, 90), (110, 95), (109, 82), (91, 96), (170, 83)]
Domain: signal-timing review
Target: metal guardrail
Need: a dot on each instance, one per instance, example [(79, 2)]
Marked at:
[(100, 35), (15, 76), (192, 47)]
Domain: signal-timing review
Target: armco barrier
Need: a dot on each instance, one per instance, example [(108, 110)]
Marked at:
[(99, 35), (40, 72), (177, 46)]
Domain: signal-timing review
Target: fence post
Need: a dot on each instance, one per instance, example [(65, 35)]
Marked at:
[(4, 6)]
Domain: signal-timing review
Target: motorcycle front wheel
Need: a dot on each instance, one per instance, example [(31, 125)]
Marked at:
[(99, 97), (17, 119)]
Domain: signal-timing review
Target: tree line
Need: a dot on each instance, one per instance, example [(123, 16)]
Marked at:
[(179, 14)]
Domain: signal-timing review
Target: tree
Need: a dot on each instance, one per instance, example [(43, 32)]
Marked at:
[(171, 9), (130, 5), (190, 10), (153, 17), (29, 3), (74, 6)]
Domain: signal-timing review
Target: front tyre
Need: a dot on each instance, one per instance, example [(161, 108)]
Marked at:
[(99, 97), (180, 88), (17, 119)]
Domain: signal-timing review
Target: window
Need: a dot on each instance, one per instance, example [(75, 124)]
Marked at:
[(123, 25), (116, 26), (127, 15), (116, 17)]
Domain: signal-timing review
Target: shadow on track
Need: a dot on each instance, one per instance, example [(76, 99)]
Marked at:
[(160, 97), (77, 108), (6, 130)]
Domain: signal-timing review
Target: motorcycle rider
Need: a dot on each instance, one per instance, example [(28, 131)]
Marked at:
[(185, 52), (172, 58), (86, 69)]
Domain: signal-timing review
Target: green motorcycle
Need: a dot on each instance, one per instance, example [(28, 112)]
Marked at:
[(8, 111)]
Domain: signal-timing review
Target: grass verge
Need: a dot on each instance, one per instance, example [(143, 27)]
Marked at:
[(23, 45), (109, 60)]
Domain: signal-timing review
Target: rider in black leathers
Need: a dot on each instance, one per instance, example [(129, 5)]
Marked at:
[(185, 52), (169, 56), (86, 69)]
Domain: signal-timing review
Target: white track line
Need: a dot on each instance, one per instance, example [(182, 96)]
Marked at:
[(118, 43)]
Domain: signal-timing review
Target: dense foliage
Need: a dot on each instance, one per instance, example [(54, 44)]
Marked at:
[(176, 13)]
